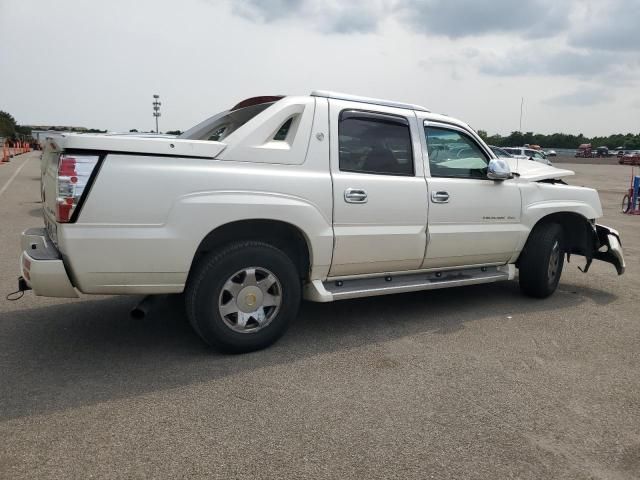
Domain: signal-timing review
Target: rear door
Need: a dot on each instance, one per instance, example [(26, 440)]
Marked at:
[(379, 189)]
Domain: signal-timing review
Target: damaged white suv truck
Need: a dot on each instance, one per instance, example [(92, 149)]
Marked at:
[(323, 197)]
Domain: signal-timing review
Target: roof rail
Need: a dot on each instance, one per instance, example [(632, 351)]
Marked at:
[(374, 101)]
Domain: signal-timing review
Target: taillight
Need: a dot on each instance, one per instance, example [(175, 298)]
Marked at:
[(74, 172)]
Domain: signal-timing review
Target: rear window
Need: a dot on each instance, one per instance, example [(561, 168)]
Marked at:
[(222, 125)]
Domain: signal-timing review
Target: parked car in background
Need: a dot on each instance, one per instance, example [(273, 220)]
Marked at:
[(602, 152), (584, 151), (630, 158), (500, 152), (551, 153), (528, 154)]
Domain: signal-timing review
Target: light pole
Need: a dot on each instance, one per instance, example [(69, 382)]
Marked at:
[(156, 109), (521, 105)]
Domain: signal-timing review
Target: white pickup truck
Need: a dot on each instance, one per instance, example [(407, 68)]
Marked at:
[(323, 197)]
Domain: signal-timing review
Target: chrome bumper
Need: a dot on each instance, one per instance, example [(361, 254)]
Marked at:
[(42, 267)]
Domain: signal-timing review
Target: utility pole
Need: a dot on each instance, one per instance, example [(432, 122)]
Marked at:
[(156, 109), (521, 105)]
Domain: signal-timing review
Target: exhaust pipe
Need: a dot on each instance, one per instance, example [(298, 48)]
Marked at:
[(141, 310)]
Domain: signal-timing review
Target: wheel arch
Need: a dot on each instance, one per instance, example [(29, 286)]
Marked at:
[(287, 237), (578, 231)]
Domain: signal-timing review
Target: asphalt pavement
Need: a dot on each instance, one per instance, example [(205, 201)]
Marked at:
[(476, 382)]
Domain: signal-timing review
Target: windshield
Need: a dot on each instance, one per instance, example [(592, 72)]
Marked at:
[(500, 153)]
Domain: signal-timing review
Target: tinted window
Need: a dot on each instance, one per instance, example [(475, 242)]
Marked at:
[(224, 124), (218, 133), (374, 143), (281, 134), (454, 154)]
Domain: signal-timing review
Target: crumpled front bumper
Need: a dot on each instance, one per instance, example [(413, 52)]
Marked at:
[(608, 248)]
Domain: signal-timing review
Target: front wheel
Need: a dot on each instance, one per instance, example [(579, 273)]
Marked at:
[(541, 261), (626, 204), (243, 297)]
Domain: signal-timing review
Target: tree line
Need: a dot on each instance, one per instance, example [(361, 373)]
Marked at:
[(628, 141)]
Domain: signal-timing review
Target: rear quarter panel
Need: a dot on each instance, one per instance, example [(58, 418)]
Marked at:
[(145, 216)]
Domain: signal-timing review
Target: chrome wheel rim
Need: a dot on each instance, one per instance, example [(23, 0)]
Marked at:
[(250, 299), (554, 262)]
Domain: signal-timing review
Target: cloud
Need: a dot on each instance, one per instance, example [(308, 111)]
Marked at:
[(268, 10), (465, 18), (454, 19), (356, 16), (586, 97), (613, 26), (563, 63)]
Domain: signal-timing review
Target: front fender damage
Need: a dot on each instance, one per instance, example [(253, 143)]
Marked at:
[(606, 246)]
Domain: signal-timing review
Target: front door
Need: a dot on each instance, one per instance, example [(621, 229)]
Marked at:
[(379, 189), (472, 220)]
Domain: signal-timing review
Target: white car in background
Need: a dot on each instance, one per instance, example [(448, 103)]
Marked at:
[(528, 154)]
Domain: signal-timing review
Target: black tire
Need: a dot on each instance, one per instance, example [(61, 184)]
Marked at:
[(541, 261), (205, 291), (626, 204)]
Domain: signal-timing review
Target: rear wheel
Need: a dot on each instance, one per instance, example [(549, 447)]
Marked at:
[(243, 297), (541, 261), (626, 204)]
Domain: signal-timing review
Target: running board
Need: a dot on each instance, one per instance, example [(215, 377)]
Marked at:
[(366, 287)]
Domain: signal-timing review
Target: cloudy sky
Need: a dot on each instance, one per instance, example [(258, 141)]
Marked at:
[(97, 64)]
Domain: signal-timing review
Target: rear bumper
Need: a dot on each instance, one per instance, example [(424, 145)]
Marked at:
[(609, 248), (42, 266)]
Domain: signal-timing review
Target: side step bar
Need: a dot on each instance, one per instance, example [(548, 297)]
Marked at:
[(329, 291)]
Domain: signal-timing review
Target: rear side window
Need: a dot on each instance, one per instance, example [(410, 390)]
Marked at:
[(454, 154), (283, 131), (374, 143)]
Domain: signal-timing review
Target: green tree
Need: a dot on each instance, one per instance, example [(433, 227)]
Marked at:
[(7, 125)]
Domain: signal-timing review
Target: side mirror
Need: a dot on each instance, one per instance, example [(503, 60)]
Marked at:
[(498, 169)]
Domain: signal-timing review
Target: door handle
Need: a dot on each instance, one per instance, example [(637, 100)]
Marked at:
[(440, 197), (355, 195)]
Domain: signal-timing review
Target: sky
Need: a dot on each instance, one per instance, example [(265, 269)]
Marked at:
[(97, 64)]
